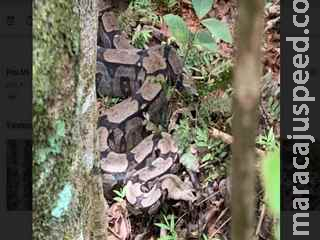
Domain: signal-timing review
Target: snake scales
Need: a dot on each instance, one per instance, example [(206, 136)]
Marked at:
[(129, 154)]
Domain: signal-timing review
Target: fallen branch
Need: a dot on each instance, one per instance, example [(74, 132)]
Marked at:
[(228, 139), (221, 226), (263, 212)]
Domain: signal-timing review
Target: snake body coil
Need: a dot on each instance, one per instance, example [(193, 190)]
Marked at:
[(129, 154)]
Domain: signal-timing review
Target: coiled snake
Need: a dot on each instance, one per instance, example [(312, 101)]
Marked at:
[(130, 155)]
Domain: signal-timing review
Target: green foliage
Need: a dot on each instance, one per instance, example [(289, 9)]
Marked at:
[(204, 41), (218, 29), (202, 7), (167, 88), (168, 223), (213, 106), (202, 138), (138, 11), (215, 150), (120, 194), (269, 141), (271, 182), (141, 37), (140, 3), (274, 108), (190, 161), (182, 134), (169, 4), (111, 101), (178, 29)]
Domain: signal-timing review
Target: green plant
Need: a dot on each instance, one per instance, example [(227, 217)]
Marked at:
[(141, 11), (190, 161), (269, 141), (168, 224), (209, 70), (141, 37), (140, 3), (111, 101), (169, 4), (214, 149), (120, 194), (182, 134), (214, 106), (274, 107), (202, 138), (207, 39)]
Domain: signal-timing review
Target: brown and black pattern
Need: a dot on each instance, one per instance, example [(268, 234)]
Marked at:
[(129, 154), (126, 69)]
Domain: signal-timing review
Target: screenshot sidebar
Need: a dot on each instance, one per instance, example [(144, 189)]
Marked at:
[(15, 119)]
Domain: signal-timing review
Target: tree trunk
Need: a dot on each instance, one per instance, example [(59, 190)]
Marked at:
[(245, 121), (68, 199)]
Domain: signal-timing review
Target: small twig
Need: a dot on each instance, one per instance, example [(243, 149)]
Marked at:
[(180, 218), (198, 78), (221, 226), (218, 218), (207, 198), (228, 139), (221, 215), (263, 212)]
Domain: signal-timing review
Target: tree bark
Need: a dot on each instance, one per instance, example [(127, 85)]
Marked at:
[(68, 198), (244, 126)]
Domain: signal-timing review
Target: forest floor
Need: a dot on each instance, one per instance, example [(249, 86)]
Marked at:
[(201, 124)]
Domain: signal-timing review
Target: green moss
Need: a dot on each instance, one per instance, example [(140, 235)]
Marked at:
[(60, 91), (63, 203), (56, 40)]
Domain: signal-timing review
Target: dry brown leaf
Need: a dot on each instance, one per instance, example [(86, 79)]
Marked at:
[(119, 224)]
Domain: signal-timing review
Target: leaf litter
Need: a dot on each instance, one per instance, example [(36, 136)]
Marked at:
[(201, 209)]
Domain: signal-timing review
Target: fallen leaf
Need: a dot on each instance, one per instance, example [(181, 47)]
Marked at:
[(119, 224)]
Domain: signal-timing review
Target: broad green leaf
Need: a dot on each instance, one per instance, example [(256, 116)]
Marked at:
[(202, 7), (271, 180), (205, 40), (207, 157), (218, 29), (178, 29), (190, 161)]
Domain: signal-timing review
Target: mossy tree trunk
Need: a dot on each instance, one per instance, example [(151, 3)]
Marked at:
[(68, 200)]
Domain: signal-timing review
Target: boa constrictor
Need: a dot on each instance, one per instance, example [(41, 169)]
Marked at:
[(129, 154)]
